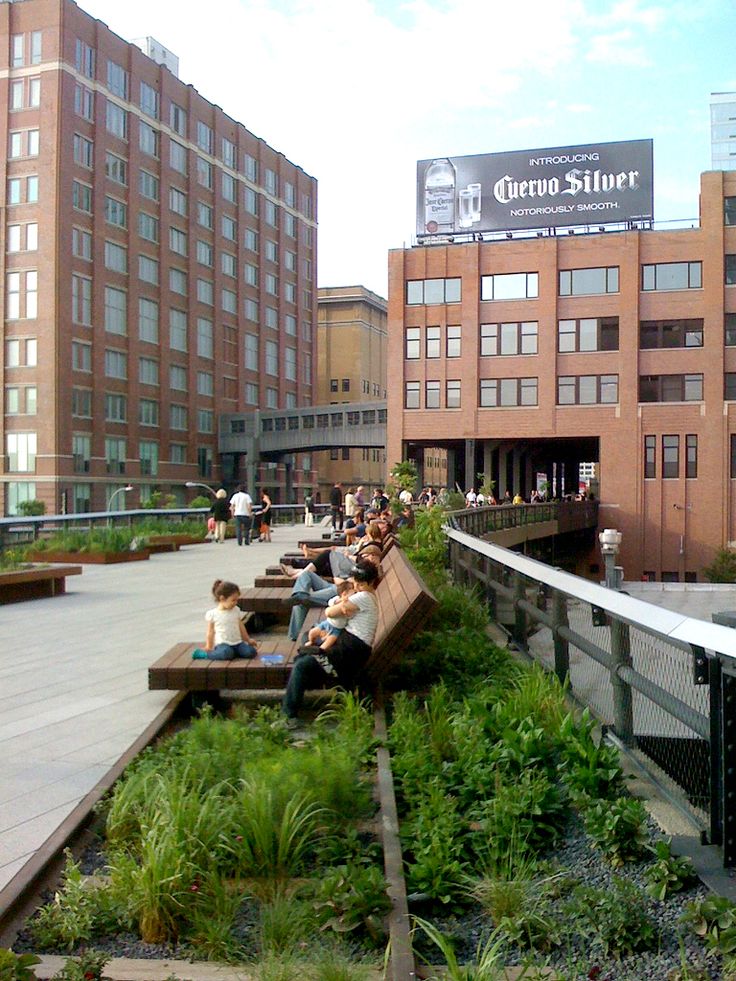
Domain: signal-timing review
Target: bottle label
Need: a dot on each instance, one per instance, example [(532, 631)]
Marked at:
[(439, 206)]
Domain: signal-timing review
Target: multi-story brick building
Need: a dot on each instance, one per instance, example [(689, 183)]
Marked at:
[(160, 267), (615, 347)]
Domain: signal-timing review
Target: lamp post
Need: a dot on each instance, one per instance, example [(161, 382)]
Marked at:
[(610, 540), (196, 483), (120, 490)]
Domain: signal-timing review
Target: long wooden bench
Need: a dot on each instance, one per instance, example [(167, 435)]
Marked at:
[(404, 603)]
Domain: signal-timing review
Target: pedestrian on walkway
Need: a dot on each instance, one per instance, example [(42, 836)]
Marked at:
[(220, 511), (308, 509), (241, 505), (336, 506), (264, 516)]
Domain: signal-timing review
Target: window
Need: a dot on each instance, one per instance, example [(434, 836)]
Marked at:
[(272, 358), (35, 47), (587, 389), (251, 393), (82, 403), (12, 298), (251, 310), (452, 394), (250, 167), (229, 228), (148, 371), (229, 301), (178, 281), (81, 452), (177, 330), (178, 201), (672, 276), (21, 451), (32, 189), (116, 212), (271, 181), (116, 120), (589, 282), (251, 201), (272, 400), (177, 241), (289, 225), (178, 378), (148, 320), (204, 461), (650, 457), (729, 211), (84, 102), (116, 169), (432, 344), (17, 94), (205, 383), (508, 338), (148, 412), (116, 407), (205, 253), (34, 93), (411, 395), (671, 388), (178, 119), (730, 330), (228, 153), (251, 352), (670, 457), (228, 264), (22, 237), (178, 452), (81, 300), (588, 334), (290, 325), (14, 190), (205, 338), (179, 417), (270, 214), (731, 270), (691, 456), (205, 421), (117, 80), (272, 318), (83, 151), (82, 243), (81, 356), (204, 173), (333, 384), (148, 185), (453, 344), (148, 138), (272, 284), (116, 363), (670, 333), (290, 363), (115, 454), (31, 294), (147, 227), (116, 257), (149, 100), (148, 270), (178, 159), (509, 286), (148, 454), (204, 137), (433, 291), (507, 392), (250, 274), (204, 214), (116, 310), (729, 386), (82, 197)]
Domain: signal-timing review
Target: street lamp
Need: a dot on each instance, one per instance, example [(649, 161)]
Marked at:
[(196, 483), (610, 540), (120, 490)]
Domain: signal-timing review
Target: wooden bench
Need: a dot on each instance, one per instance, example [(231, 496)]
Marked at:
[(404, 603)]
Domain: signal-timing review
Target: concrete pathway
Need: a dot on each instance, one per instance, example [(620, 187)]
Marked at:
[(73, 676)]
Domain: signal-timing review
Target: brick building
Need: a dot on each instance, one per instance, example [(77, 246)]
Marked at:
[(526, 357), (160, 268)]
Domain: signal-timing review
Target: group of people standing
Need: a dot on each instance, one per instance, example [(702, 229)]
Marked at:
[(249, 519)]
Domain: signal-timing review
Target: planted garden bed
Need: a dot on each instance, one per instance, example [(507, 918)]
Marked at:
[(97, 546), (34, 582), (88, 558)]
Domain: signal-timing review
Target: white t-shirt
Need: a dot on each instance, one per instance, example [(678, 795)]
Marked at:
[(338, 620), (405, 497), (227, 625), (363, 623), (242, 503)]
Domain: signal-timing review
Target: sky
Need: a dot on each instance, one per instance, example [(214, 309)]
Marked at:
[(357, 91)]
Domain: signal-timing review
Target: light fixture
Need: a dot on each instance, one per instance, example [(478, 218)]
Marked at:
[(196, 483), (509, 235)]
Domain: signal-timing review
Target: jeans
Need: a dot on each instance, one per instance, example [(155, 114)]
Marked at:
[(306, 673), (227, 652), (243, 525), (337, 518), (308, 590)]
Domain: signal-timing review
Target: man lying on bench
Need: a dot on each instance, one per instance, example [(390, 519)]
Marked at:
[(341, 664)]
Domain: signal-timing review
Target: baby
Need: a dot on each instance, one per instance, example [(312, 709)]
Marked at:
[(325, 633)]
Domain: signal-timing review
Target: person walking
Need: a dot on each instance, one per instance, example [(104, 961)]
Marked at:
[(220, 511), (336, 506), (264, 516), (308, 509), (241, 505)]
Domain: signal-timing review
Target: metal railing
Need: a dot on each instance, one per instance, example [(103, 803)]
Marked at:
[(663, 684), (569, 515)]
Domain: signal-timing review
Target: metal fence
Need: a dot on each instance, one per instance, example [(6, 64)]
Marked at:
[(664, 685)]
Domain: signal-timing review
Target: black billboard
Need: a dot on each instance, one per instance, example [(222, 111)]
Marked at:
[(567, 185)]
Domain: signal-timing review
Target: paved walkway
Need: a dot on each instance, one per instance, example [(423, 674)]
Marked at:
[(73, 676)]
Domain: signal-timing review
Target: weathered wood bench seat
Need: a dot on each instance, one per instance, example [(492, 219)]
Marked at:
[(404, 603)]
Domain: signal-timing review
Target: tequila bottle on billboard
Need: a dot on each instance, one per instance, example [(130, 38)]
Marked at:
[(439, 196)]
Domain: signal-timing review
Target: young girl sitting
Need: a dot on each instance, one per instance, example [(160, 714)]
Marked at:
[(227, 638), (325, 633)]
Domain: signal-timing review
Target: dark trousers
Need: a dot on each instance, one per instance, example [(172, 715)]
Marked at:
[(337, 517), (307, 672), (243, 525)]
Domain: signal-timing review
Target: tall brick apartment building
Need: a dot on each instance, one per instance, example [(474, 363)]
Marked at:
[(160, 267), (618, 347)]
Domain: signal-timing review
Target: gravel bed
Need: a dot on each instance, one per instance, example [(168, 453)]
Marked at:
[(576, 855)]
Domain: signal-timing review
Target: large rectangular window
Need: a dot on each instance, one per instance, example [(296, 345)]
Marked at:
[(588, 334), (729, 211), (587, 389), (670, 457), (507, 392), (670, 333), (589, 282), (411, 395), (730, 330), (730, 271), (116, 310), (508, 338), (432, 344), (433, 291), (672, 276), (510, 286), (671, 388)]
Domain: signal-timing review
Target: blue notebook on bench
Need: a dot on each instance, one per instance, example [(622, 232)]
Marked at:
[(269, 659)]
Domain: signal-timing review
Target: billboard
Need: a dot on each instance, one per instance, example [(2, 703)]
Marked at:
[(567, 185)]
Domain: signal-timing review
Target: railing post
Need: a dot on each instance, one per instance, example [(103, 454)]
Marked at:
[(623, 712), (562, 648), (716, 751), (728, 761), (520, 618)]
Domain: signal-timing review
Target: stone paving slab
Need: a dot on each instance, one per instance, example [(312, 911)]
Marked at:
[(89, 698)]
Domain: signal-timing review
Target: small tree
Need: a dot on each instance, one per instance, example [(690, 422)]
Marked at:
[(29, 508), (159, 500), (486, 486), (405, 475), (200, 502), (723, 567)]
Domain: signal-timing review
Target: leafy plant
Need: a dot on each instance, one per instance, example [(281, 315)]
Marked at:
[(489, 956), (32, 507), (352, 897), (201, 502), (87, 967), (12, 559), (588, 769), (615, 920), (159, 500), (668, 874), (17, 967), (75, 913), (714, 920), (723, 566), (528, 811), (434, 839), (618, 828)]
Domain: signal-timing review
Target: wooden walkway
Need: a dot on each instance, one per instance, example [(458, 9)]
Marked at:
[(74, 676)]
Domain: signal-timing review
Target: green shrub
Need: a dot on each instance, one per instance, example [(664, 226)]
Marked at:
[(615, 920), (31, 508), (17, 967), (353, 898), (723, 566), (201, 502), (528, 812), (588, 769), (714, 920), (668, 874), (618, 828), (433, 838)]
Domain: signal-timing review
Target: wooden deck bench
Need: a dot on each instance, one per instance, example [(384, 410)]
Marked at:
[(404, 603)]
